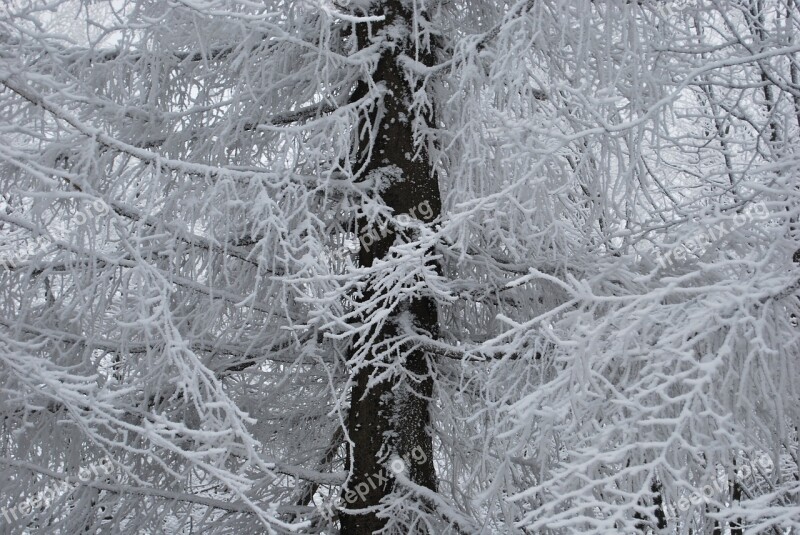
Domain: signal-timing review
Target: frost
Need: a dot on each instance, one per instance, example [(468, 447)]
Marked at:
[(186, 287)]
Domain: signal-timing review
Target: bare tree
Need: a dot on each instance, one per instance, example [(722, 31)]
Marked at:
[(399, 266)]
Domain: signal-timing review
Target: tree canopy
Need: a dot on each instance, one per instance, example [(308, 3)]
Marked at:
[(427, 266)]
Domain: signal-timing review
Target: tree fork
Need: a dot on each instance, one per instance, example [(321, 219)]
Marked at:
[(394, 408)]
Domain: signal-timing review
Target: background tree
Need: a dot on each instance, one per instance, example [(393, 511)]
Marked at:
[(541, 255)]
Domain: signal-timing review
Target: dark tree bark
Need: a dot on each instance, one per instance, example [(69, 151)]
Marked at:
[(392, 419), (645, 524), (736, 496)]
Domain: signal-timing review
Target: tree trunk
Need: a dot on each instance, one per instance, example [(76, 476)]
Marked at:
[(392, 419)]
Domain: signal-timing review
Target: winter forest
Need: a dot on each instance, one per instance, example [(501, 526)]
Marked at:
[(430, 267)]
